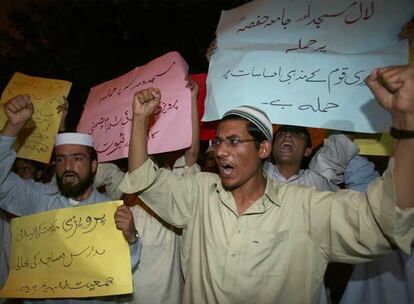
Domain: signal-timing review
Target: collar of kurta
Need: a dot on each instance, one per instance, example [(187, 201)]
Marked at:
[(293, 177), (268, 199)]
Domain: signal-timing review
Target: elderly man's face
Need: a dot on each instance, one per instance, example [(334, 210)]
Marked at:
[(290, 147), (239, 164), (74, 169)]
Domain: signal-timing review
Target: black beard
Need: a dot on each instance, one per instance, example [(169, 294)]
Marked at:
[(74, 191)]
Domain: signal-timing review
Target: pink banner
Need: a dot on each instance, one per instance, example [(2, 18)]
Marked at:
[(108, 110)]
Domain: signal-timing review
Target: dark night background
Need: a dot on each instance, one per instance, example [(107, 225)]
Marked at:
[(89, 42)]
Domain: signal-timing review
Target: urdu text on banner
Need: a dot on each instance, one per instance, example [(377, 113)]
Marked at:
[(108, 110), (37, 139), (68, 253), (304, 62)]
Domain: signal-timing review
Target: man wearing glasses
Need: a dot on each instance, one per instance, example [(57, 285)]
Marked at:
[(253, 240)]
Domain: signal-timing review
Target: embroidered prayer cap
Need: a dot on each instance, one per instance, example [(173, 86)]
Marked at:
[(73, 139), (256, 117)]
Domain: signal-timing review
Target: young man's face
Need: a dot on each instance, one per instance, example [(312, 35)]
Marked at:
[(24, 169), (210, 163), (290, 147), (238, 164), (74, 169)]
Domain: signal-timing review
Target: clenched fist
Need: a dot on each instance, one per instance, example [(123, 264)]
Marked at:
[(145, 102)]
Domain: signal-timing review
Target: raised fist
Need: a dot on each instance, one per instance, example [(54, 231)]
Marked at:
[(146, 102), (19, 110)]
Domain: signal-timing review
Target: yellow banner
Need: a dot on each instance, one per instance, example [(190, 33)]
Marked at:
[(70, 252), (37, 139), (374, 144)]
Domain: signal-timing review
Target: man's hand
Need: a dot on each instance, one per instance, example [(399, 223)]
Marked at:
[(193, 86), (145, 102), (64, 109), (19, 110), (191, 153), (407, 31), (211, 49), (124, 221), (394, 89)]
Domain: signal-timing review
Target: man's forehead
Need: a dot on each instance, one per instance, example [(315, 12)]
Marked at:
[(230, 126), (24, 165), (23, 161), (71, 149), (293, 129)]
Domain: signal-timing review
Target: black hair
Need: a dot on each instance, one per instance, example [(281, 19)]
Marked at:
[(37, 165), (296, 129)]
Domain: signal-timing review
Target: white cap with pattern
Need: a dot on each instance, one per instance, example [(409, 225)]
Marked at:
[(73, 139), (255, 116)]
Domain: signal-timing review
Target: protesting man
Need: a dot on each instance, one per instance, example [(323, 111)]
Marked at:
[(254, 240), (26, 169), (159, 276), (293, 144), (76, 164)]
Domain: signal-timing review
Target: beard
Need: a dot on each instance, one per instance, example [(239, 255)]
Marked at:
[(74, 190)]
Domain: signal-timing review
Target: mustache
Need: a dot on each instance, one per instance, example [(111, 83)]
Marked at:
[(70, 172)]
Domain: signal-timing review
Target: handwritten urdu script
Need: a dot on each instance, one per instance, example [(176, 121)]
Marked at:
[(60, 253), (304, 62), (37, 138), (108, 110)]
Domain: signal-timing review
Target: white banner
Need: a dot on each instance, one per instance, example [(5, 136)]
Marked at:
[(304, 62)]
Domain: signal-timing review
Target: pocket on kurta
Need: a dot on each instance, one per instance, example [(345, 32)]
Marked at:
[(262, 253)]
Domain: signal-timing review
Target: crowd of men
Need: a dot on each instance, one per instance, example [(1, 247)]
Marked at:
[(260, 230), (253, 223)]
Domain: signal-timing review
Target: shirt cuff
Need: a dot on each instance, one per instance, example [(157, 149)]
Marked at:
[(396, 222), (135, 253), (7, 141), (404, 230)]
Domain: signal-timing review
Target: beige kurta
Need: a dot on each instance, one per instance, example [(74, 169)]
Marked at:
[(158, 278), (278, 250)]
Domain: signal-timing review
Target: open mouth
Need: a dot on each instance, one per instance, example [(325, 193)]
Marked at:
[(70, 177), (225, 169), (286, 147)]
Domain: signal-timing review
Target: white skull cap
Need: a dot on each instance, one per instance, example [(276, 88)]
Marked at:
[(255, 116), (73, 139)]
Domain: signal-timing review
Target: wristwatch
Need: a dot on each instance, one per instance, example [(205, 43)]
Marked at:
[(136, 238), (401, 134)]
